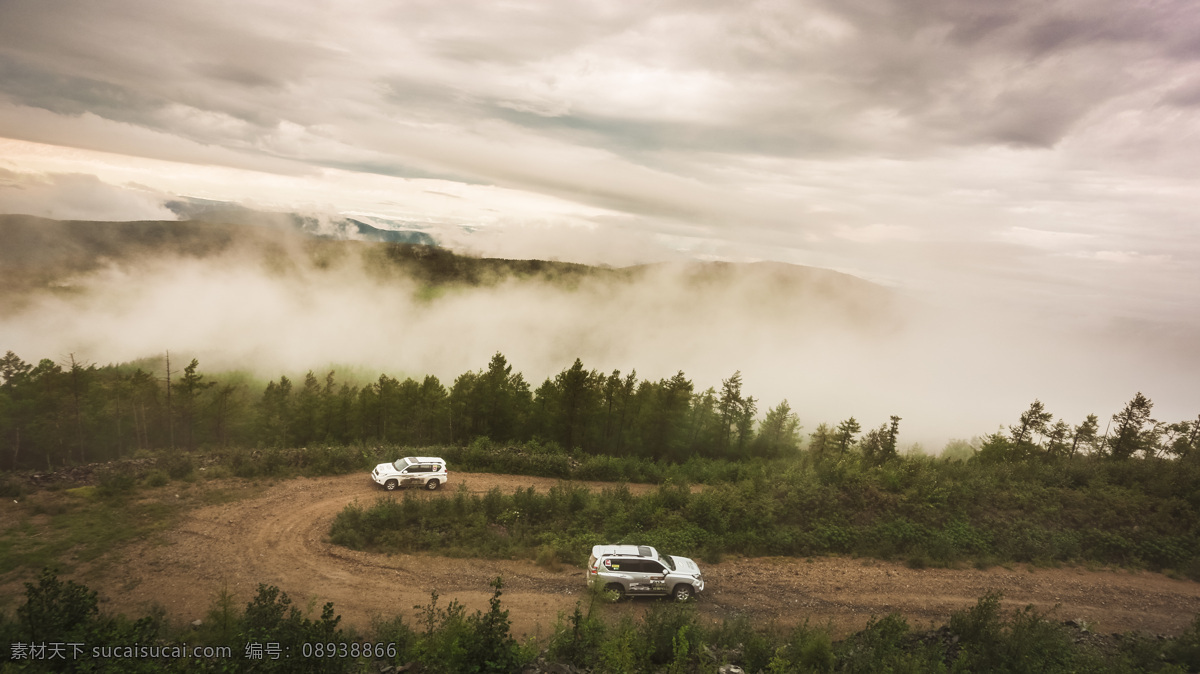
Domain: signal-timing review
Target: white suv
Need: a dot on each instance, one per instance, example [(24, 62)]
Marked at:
[(411, 471), (639, 570)]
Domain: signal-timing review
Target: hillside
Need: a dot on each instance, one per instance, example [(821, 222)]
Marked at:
[(42, 254)]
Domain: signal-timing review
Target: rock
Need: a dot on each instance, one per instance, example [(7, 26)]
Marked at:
[(197, 623)]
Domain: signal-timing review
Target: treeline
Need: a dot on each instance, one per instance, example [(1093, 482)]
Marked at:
[(1132, 432), (52, 413), (272, 635)]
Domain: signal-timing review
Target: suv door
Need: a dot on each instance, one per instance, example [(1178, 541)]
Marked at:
[(617, 569), (414, 475), (647, 577)]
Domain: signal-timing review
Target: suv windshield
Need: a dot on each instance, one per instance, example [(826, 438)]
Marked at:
[(670, 562)]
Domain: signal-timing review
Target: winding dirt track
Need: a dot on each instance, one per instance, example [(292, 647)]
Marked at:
[(280, 538)]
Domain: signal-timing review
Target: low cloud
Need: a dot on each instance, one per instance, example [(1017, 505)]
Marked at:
[(833, 345), (77, 196)]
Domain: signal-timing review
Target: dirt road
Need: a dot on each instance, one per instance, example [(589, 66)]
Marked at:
[(280, 538)]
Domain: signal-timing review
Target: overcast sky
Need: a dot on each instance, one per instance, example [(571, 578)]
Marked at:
[(1037, 154)]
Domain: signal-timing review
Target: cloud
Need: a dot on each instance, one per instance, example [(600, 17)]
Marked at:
[(755, 78), (78, 197), (987, 154), (833, 345)]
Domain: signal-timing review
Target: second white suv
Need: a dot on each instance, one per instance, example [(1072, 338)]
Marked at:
[(412, 471), (640, 570)]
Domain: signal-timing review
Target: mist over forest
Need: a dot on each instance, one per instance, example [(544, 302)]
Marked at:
[(269, 300)]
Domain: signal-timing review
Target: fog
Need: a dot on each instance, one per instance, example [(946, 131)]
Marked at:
[(832, 345), (71, 196)]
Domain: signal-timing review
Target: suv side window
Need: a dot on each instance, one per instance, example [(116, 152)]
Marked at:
[(618, 564), (648, 566)]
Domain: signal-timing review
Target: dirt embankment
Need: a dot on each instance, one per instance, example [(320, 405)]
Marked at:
[(280, 538)]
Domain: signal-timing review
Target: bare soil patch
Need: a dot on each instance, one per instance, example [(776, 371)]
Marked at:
[(279, 537)]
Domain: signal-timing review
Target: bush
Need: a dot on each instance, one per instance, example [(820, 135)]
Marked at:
[(547, 558), (179, 466), (1185, 650), (270, 617), (992, 643), (577, 639), (478, 644), (114, 483), (55, 610), (11, 487), (662, 629)]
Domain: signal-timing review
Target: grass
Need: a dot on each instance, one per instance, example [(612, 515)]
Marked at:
[(63, 528), (78, 527)]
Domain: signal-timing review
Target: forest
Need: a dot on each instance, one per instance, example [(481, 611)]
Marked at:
[(54, 414)]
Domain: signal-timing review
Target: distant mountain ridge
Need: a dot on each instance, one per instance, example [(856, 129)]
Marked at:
[(331, 227), (42, 255)]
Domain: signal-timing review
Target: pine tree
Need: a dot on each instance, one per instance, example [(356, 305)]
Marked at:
[(1128, 435), (846, 432), (187, 391), (821, 440), (1033, 420), (779, 432), (1086, 435)]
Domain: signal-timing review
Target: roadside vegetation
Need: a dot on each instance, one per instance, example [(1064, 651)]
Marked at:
[(272, 634), (921, 510)]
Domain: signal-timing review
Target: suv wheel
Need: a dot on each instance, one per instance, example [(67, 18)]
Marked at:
[(391, 485), (618, 588), (432, 485), (683, 592)]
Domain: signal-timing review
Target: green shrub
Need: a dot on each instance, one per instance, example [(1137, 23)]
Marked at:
[(806, 650), (989, 642), (454, 642), (1185, 649), (661, 629), (178, 466), (11, 487), (271, 617), (547, 558), (577, 638), (113, 483)]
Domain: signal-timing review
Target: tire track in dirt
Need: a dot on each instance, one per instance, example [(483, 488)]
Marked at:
[(280, 538)]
